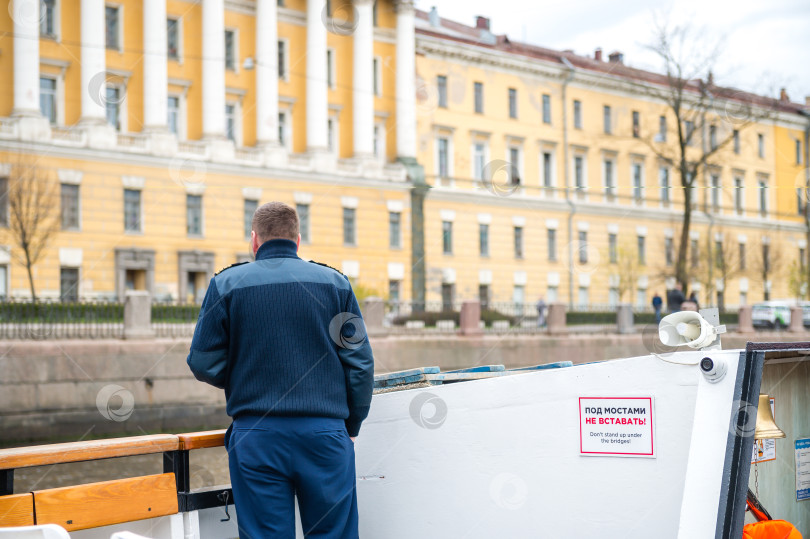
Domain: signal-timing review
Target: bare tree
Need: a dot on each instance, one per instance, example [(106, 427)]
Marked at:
[(797, 279), (768, 260), (31, 205), (707, 117), (724, 257), (628, 269)]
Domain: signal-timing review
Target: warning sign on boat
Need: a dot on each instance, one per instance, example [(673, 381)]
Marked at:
[(616, 426)]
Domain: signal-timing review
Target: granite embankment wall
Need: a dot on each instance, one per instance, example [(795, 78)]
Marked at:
[(85, 389)]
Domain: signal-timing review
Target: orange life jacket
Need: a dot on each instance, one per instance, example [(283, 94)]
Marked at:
[(771, 529)]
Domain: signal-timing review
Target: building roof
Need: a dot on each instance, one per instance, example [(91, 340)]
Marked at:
[(482, 37)]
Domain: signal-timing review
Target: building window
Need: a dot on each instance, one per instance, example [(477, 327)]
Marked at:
[(713, 137), (250, 208), (577, 114), (638, 183), (478, 90), (112, 23), (642, 250), (444, 163), (718, 253), (579, 173), (641, 297), (800, 206), (394, 232), (546, 109), (393, 290), (798, 144), (610, 184), (514, 165), (132, 210), (763, 198), (766, 257), (606, 119), (448, 296), (349, 226), (669, 251), (447, 237), (694, 250), (548, 179), (374, 14), (736, 137), (663, 176), (741, 256), (715, 185), (303, 222), (662, 129), (194, 215), (801, 257), (283, 140), (479, 161), (583, 247), (230, 122), (330, 135), (70, 206), (3, 201), (379, 141), (282, 59), (552, 293), (483, 295), (483, 239), (47, 98), (377, 76), (613, 249), (738, 195), (230, 50), (636, 124), (441, 90), (47, 18), (173, 38), (761, 145), (689, 130), (519, 294), (512, 103), (518, 241), (173, 111), (551, 240), (112, 106), (582, 296), (69, 284)]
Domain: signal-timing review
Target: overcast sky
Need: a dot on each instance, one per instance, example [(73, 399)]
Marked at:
[(765, 44)]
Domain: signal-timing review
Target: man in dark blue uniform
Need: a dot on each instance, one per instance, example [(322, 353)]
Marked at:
[(286, 341)]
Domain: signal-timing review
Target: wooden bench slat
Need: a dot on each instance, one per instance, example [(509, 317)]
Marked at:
[(108, 502), (40, 455), (201, 440), (17, 510)]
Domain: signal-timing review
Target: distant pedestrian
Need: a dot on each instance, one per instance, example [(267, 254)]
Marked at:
[(657, 303), (675, 298), (693, 299), (541, 313)]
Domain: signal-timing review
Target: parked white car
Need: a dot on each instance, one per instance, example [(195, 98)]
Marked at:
[(776, 313)]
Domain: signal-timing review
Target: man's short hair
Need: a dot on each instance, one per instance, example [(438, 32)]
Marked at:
[(275, 220)]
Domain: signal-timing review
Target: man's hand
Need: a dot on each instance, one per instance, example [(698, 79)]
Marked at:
[(352, 438)]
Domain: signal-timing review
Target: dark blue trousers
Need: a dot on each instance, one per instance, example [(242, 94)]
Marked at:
[(271, 459)]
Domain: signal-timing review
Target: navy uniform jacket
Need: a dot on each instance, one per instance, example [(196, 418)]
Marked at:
[(284, 337)]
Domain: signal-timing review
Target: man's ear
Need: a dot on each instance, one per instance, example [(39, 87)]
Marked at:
[(298, 242), (254, 242)]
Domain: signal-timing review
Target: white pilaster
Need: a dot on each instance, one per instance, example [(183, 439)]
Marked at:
[(213, 69), (317, 96), (26, 57), (363, 92), (94, 64), (266, 72), (155, 74), (406, 85)]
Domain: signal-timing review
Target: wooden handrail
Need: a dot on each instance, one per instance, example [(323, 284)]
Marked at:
[(201, 440), (41, 455)]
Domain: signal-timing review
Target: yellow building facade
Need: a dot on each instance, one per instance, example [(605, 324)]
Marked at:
[(429, 160)]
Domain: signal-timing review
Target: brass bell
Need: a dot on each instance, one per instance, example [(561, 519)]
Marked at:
[(766, 426)]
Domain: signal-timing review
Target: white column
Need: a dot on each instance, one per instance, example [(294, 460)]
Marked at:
[(213, 69), (317, 96), (363, 93), (266, 72), (94, 63), (406, 85), (26, 57), (155, 74)]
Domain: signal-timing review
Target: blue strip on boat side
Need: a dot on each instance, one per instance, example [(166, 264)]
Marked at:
[(557, 365), (409, 372), (481, 368)]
